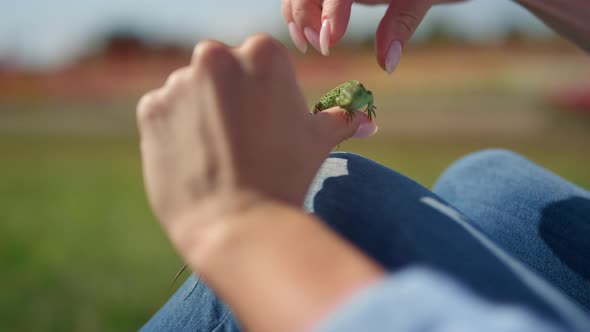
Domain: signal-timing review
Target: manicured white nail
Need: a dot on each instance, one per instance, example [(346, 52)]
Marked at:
[(312, 37), (394, 53), (325, 38), (298, 37), (366, 129)]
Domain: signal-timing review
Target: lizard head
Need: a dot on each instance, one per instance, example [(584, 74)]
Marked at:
[(353, 96)]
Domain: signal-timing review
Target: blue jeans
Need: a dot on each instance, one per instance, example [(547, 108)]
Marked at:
[(501, 226)]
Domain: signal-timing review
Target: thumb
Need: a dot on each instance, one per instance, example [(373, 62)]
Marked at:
[(337, 126), (397, 26)]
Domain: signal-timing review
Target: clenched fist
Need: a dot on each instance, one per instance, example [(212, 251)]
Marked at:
[(233, 129)]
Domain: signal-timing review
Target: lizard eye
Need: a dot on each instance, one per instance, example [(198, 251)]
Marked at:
[(369, 92)]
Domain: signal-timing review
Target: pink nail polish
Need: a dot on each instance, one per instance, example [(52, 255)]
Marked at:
[(313, 37), (366, 129), (393, 56), (297, 37), (325, 38)]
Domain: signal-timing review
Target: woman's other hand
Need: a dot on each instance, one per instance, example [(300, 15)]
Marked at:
[(322, 23)]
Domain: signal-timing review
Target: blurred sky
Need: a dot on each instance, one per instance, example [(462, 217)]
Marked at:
[(45, 33)]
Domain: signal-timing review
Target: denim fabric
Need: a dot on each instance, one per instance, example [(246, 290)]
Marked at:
[(397, 303), (533, 214), (402, 225), (194, 307)]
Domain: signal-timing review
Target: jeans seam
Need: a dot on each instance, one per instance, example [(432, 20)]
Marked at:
[(221, 321), (192, 290)]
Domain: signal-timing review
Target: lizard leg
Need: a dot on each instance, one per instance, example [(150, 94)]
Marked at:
[(371, 111), (349, 114)]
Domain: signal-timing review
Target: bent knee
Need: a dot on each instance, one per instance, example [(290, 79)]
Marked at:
[(479, 162), (483, 170)]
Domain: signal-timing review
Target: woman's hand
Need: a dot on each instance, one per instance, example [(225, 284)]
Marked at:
[(229, 149), (233, 128), (570, 18), (323, 22)]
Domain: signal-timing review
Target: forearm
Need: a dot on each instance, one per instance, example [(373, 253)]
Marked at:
[(278, 268), (571, 18)]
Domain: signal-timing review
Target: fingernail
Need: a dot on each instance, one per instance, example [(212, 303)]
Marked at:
[(312, 37), (366, 129), (394, 54), (297, 37), (325, 38)]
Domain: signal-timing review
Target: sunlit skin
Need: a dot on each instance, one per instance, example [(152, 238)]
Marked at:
[(349, 96), (229, 194)]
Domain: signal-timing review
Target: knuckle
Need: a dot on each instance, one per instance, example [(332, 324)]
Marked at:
[(286, 10), (408, 21), (299, 9), (209, 50), (178, 78), (264, 51), (264, 44), (307, 13), (150, 106), (214, 57)]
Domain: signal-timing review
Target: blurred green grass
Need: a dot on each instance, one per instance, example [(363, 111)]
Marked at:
[(80, 250)]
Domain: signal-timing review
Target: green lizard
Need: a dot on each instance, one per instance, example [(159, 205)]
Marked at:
[(350, 96)]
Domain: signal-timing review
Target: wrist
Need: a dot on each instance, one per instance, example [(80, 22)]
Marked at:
[(265, 252), (202, 230)]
